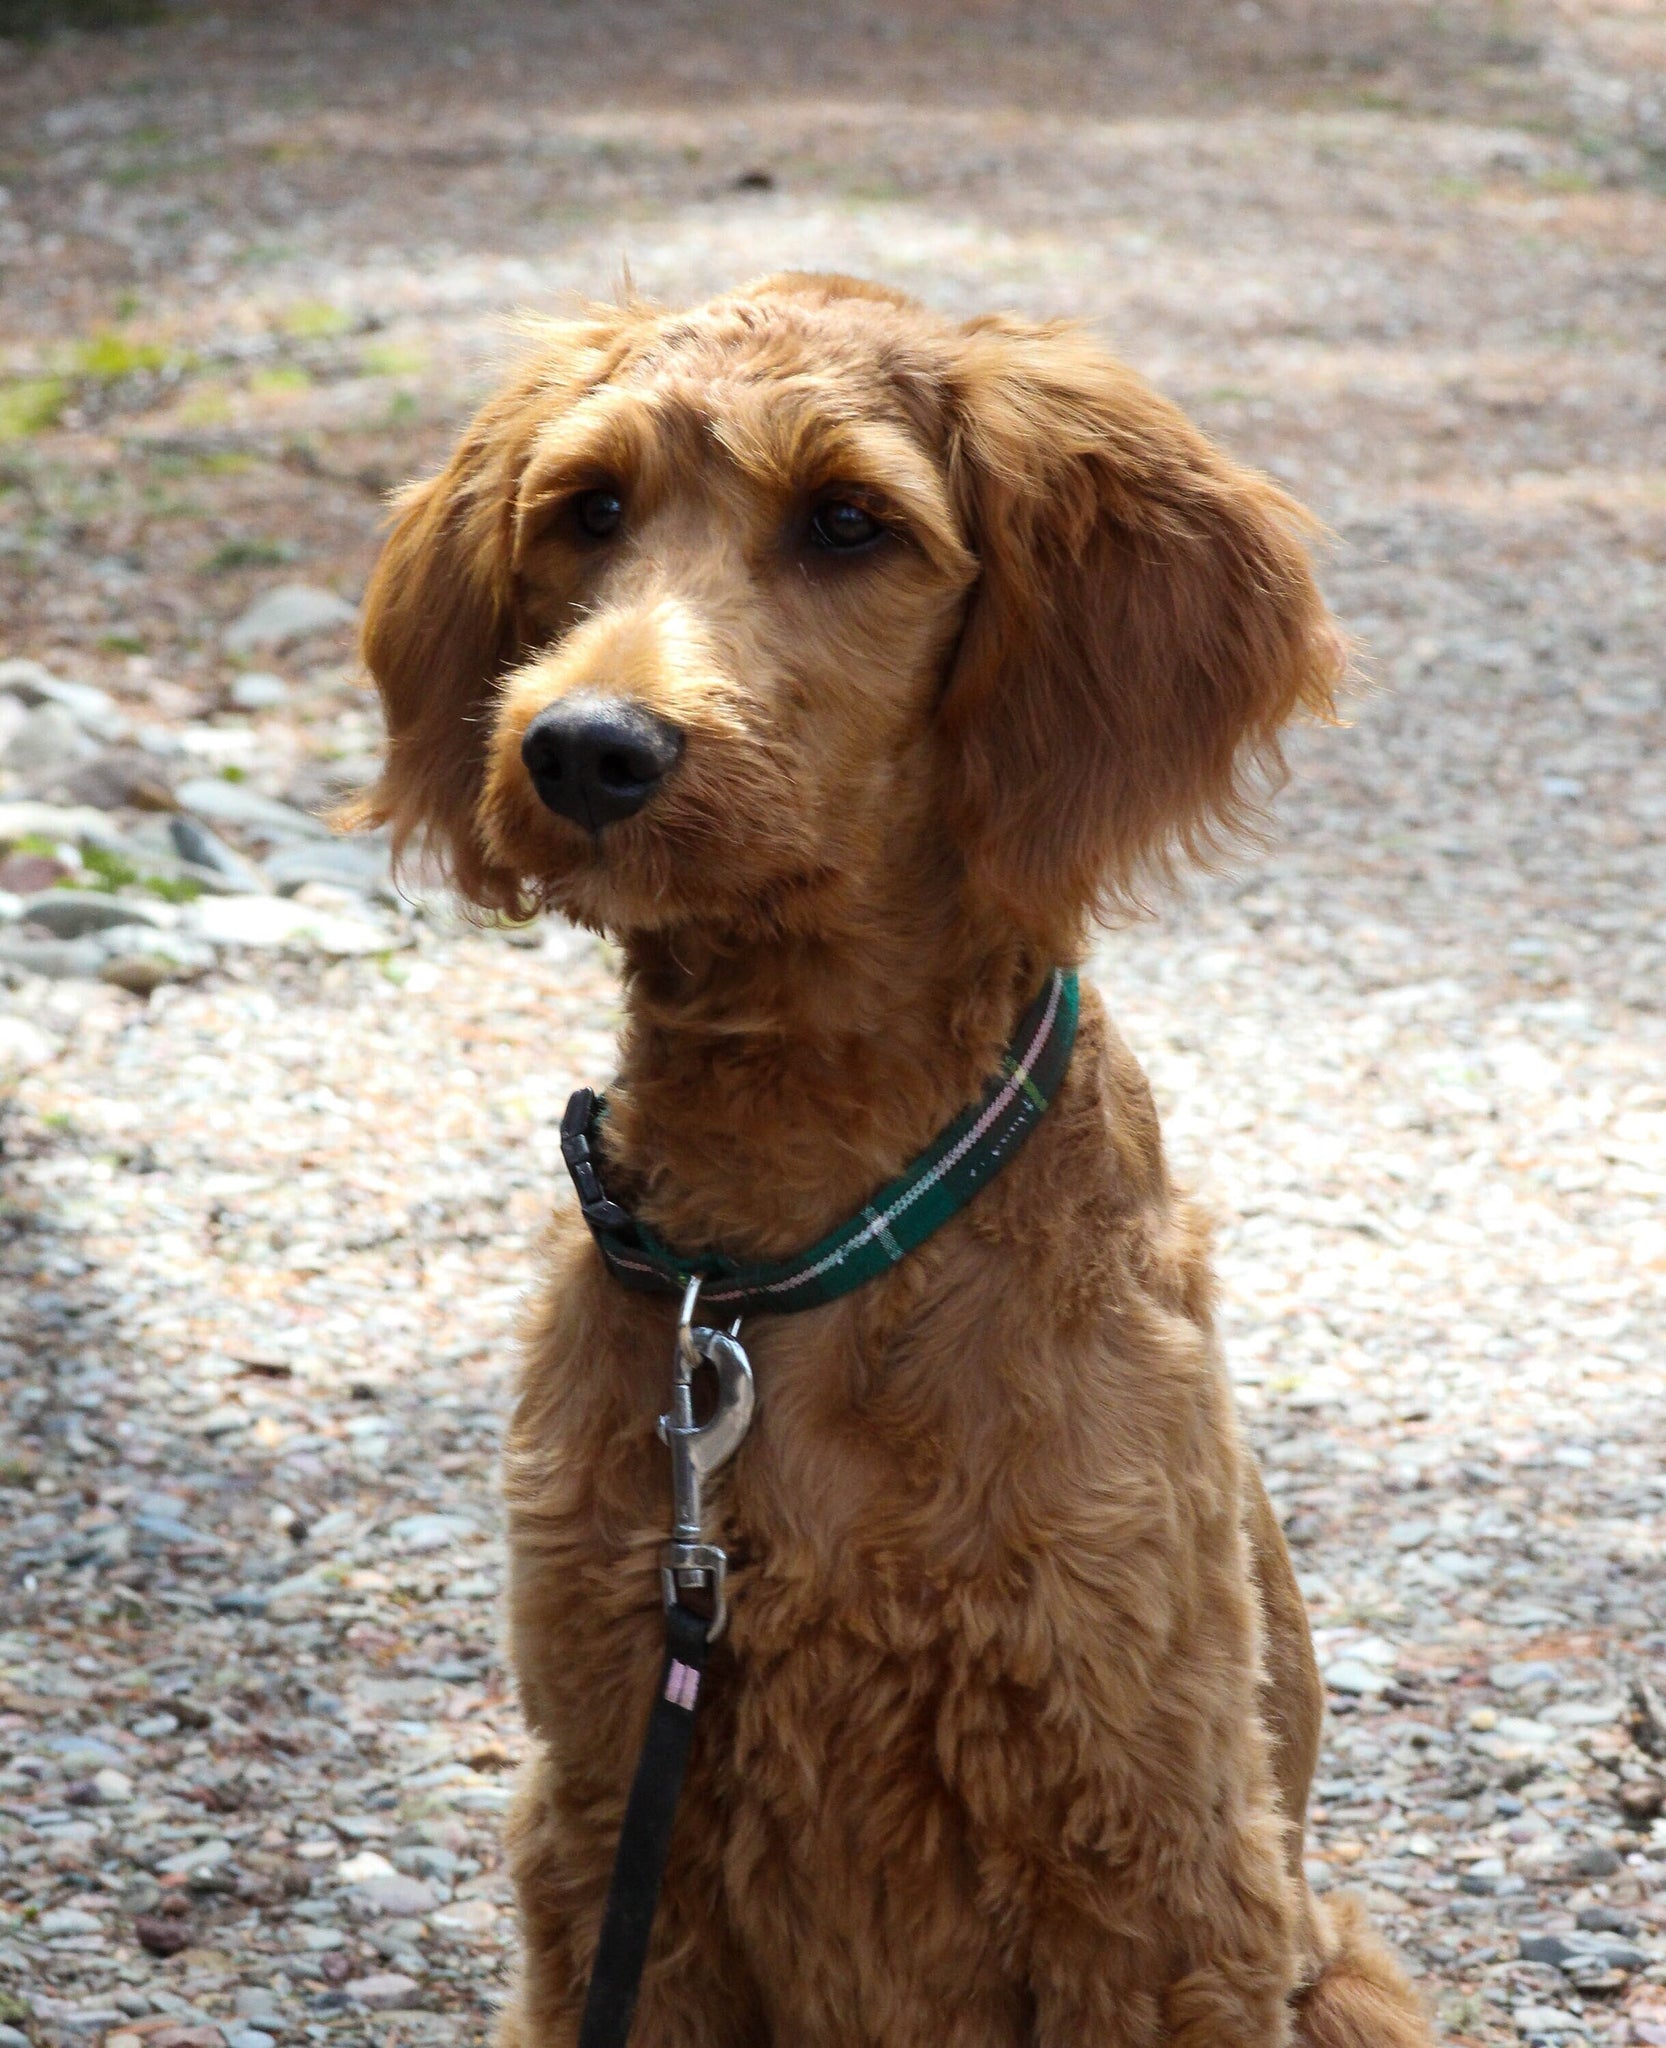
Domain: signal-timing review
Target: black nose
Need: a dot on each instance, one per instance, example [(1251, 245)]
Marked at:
[(598, 759)]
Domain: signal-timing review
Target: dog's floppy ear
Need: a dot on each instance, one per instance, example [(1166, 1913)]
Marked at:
[(440, 621), (1145, 622)]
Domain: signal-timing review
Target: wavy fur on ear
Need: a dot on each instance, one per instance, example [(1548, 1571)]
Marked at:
[(440, 617), (1147, 621)]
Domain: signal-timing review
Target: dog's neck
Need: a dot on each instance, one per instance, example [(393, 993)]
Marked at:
[(765, 1090)]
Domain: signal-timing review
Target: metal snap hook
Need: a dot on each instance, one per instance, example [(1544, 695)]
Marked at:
[(688, 1564)]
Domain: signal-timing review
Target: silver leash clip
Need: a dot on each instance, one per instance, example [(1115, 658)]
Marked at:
[(689, 1566)]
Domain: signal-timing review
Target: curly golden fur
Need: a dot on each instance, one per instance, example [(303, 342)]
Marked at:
[(1010, 1736)]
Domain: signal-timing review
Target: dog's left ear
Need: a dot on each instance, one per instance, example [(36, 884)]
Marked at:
[(1145, 622), (440, 622)]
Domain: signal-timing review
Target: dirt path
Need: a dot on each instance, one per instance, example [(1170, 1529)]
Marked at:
[(264, 1234)]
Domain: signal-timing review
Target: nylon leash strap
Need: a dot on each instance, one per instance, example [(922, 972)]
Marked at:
[(645, 1838)]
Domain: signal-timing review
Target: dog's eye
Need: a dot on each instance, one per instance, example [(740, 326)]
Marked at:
[(598, 514), (841, 525)]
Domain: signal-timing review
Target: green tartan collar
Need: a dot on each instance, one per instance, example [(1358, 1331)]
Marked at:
[(903, 1214)]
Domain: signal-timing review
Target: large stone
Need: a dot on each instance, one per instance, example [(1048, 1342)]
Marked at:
[(357, 864), (1547, 2022), (24, 1047), (53, 959), (265, 922), (73, 913), (382, 1992), (69, 1920), (81, 1752), (417, 1533), (1353, 1675), (93, 709), (257, 691), (394, 1896), (280, 618), (70, 824), (233, 803), (119, 777), (205, 849), (48, 742), (200, 1856)]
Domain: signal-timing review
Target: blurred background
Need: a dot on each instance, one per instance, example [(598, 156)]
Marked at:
[(276, 1143)]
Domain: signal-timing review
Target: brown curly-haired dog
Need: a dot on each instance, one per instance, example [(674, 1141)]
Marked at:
[(899, 649)]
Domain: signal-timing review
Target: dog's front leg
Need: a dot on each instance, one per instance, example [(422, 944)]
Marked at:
[(1201, 1953), (696, 1991)]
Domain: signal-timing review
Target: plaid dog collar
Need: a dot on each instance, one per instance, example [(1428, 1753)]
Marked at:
[(903, 1214)]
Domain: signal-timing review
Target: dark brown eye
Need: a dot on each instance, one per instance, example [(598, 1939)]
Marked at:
[(599, 514), (844, 527)]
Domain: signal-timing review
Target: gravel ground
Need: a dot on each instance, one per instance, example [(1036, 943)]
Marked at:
[(276, 1157)]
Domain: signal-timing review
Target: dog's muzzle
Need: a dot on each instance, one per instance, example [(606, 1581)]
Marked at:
[(598, 759)]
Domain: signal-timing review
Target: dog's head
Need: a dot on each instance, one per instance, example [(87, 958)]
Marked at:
[(720, 617)]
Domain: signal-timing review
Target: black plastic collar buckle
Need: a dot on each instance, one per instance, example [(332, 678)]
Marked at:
[(598, 1210)]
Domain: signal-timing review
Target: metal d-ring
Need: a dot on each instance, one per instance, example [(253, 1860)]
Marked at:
[(689, 1566)]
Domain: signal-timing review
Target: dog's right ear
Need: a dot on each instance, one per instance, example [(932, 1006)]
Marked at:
[(440, 623)]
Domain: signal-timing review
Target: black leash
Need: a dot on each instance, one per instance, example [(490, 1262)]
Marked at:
[(692, 1575), (645, 1839)]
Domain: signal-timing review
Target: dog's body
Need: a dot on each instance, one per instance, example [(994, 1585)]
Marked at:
[(1010, 1736)]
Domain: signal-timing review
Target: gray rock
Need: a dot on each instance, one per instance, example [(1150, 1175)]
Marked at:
[(168, 1529), (69, 1920), (48, 741), (265, 922), (72, 824), (82, 1752), (251, 2037), (73, 913), (1572, 1951), (417, 1533), (1597, 1862), (12, 714), (25, 1046), (1352, 1675), (234, 803), (1541, 2021), (292, 612), (10, 2037), (93, 709), (200, 1856), (1514, 1677), (53, 959), (116, 779), (241, 1600), (396, 1896), (382, 1992), (205, 849), (1607, 1920), (357, 864), (257, 691), (424, 1860)]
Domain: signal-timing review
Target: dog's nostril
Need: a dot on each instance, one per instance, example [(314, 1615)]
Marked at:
[(598, 759)]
